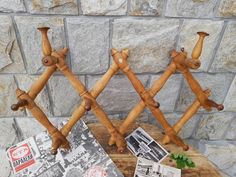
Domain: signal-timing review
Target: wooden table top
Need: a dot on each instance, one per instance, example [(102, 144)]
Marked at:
[(126, 162)]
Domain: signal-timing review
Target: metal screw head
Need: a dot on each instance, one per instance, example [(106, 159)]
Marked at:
[(120, 60)]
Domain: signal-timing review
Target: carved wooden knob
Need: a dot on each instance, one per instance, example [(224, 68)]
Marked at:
[(211, 103), (220, 107), (53, 151), (202, 34), (192, 63), (49, 60), (19, 104), (88, 103), (157, 104), (186, 147)]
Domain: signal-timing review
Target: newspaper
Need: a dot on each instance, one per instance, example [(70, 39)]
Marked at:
[(86, 158), (147, 168), (143, 145)]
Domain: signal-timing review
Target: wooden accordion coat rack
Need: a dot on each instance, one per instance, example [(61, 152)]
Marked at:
[(54, 60), (180, 63)]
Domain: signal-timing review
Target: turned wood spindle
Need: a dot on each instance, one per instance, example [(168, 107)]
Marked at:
[(181, 63), (58, 140), (46, 46), (189, 113), (89, 101), (148, 100), (197, 50)]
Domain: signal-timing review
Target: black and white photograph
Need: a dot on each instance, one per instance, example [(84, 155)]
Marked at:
[(85, 157), (143, 145), (148, 168)]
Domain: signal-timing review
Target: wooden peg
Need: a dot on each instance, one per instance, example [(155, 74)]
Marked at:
[(58, 140), (27, 99), (88, 104), (49, 61), (20, 103), (46, 46), (197, 50), (211, 103)]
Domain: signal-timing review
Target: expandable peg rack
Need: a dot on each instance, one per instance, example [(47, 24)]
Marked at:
[(54, 60)]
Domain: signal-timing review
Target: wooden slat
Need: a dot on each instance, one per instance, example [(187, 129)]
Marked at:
[(126, 162)]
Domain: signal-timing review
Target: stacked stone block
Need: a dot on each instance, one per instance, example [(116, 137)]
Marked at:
[(150, 29)]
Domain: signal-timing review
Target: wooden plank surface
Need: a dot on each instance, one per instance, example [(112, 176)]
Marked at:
[(126, 162)]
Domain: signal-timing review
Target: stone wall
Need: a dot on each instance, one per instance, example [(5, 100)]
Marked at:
[(150, 29)]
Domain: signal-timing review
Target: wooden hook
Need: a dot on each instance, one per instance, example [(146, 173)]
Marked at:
[(197, 50), (213, 104), (49, 60), (46, 46), (20, 103)]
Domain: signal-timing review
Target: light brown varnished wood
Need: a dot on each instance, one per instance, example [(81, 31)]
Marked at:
[(192, 109), (95, 91), (20, 103), (57, 137), (180, 59), (29, 97), (148, 100), (57, 59), (54, 60), (181, 63), (138, 109), (197, 50), (95, 107), (37, 86), (46, 46), (126, 162)]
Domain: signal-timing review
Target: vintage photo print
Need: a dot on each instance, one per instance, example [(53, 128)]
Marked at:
[(147, 168), (143, 145), (86, 158)]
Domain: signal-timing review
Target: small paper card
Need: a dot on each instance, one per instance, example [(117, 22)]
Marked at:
[(21, 157), (143, 145), (148, 168)]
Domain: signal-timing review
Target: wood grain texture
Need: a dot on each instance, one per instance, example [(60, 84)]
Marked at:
[(180, 62), (148, 100), (126, 162), (189, 113), (57, 60), (95, 107)]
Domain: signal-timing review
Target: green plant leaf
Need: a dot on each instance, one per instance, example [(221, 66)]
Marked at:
[(173, 156), (181, 156), (185, 157), (189, 160), (182, 160), (176, 156), (180, 164), (191, 165)]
